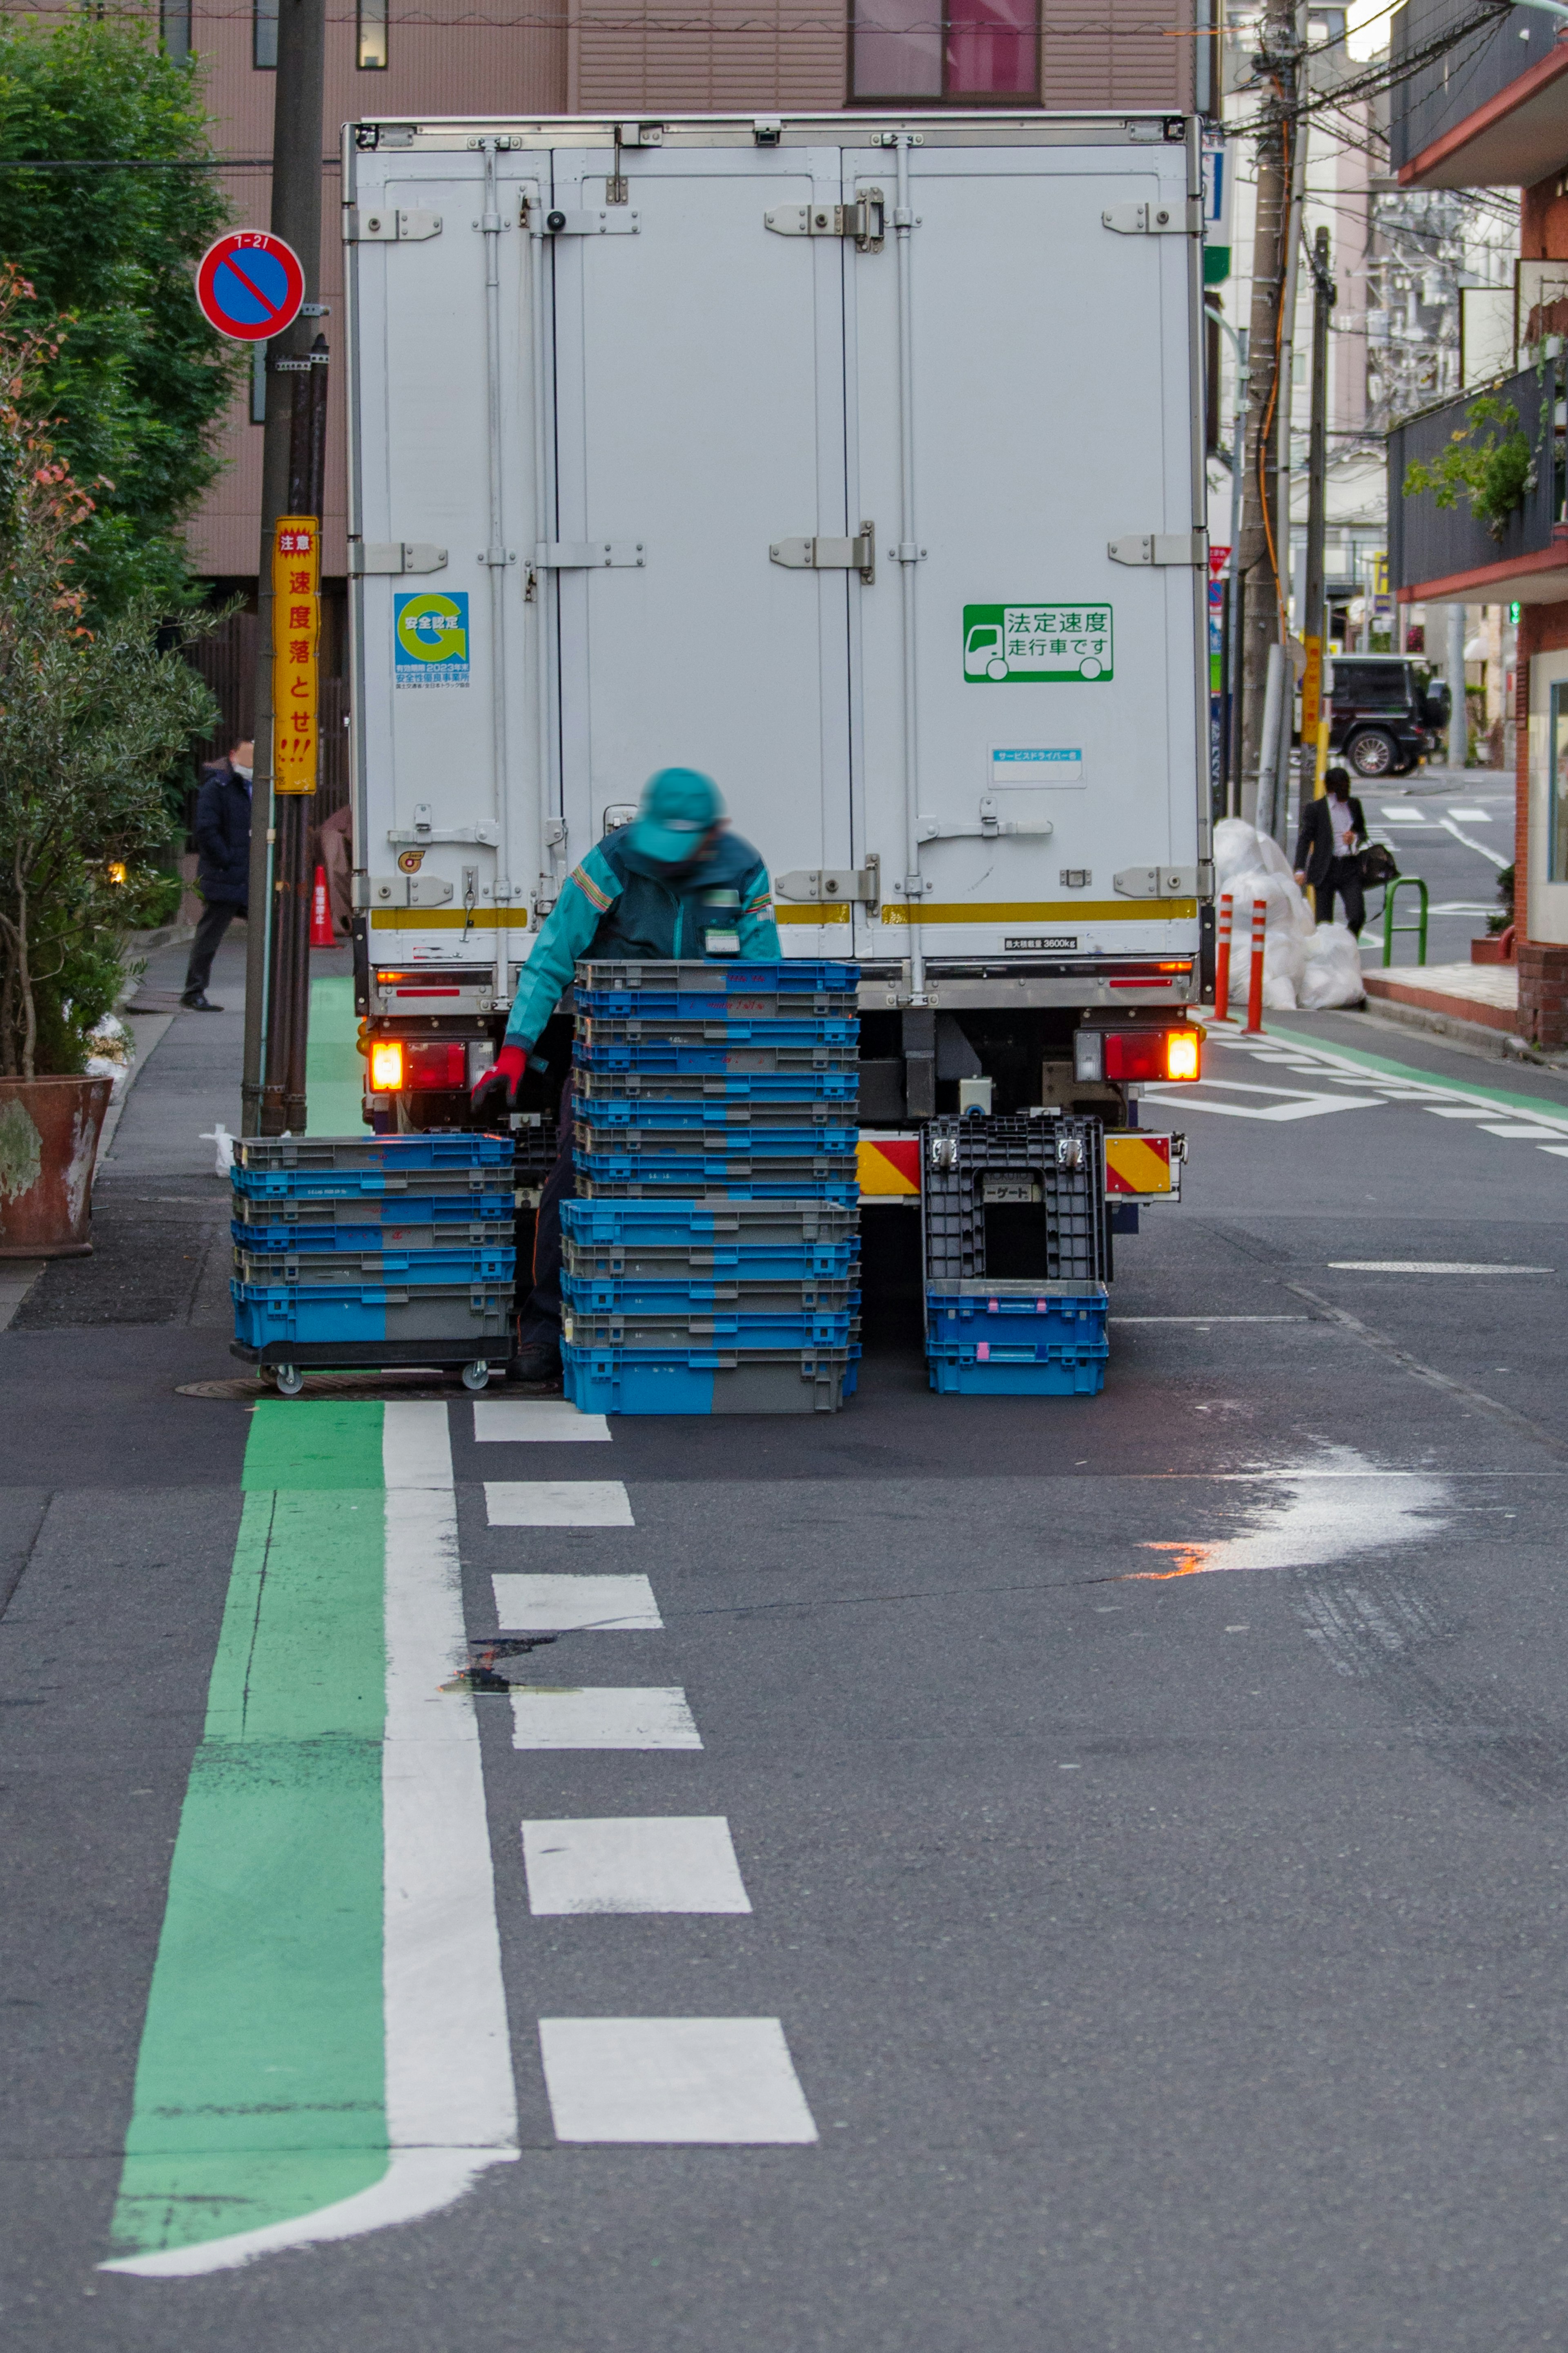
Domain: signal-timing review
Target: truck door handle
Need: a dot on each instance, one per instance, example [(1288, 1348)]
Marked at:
[(857, 554)]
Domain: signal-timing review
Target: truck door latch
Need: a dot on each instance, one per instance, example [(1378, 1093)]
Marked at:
[(384, 224), (857, 554), (394, 555), (865, 220), (1171, 218), (859, 886), (1157, 881), (588, 555), (1176, 547)]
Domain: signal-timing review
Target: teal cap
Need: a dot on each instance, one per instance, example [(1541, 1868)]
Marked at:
[(678, 807)]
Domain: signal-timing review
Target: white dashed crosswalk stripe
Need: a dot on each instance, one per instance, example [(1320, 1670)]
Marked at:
[(714, 2080), (615, 1716), (557, 1503), (548, 1420), (565, 1605), (632, 1863)]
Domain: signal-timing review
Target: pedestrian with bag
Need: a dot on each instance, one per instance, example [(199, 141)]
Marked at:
[(1333, 830), (223, 862)]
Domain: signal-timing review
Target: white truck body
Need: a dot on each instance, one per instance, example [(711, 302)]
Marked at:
[(786, 450)]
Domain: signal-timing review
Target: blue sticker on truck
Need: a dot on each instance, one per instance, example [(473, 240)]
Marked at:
[(430, 637)]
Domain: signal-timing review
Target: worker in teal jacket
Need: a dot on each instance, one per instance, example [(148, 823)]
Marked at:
[(674, 883)]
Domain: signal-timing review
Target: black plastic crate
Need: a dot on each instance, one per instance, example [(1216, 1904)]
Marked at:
[(1014, 1199)]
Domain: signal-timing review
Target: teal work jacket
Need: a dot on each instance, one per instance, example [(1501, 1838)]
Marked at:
[(612, 907)]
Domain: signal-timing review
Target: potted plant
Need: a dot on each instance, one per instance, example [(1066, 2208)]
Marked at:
[(94, 713)]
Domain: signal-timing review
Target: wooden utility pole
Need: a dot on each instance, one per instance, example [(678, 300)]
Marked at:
[(296, 217), (1264, 565), (1314, 616)]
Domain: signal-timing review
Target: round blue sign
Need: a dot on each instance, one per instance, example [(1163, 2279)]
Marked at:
[(249, 285)]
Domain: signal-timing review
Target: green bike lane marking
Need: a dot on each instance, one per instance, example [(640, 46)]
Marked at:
[(325, 2049), (1550, 1114), (334, 1073)]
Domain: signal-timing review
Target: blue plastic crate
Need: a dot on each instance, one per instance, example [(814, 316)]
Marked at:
[(599, 1033), (1018, 1313), (798, 1262), (706, 1381), (435, 1148), (315, 1270), (389, 1184), (719, 1094), (637, 1317), (768, 1004), (799, 1121), (755, 1144), (343, 1222), (449, 1315), (656, 1053), (708, 975), (728, 1175), (671, 1223), (273, 1236), (963, 1372)]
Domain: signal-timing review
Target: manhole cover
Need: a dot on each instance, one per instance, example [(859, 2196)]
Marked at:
[(248, 1388)]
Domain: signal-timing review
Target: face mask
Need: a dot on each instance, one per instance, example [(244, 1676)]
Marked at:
[(246, 773)]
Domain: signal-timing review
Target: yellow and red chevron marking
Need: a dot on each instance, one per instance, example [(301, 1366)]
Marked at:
[(890, 1165), (1138, 1164)]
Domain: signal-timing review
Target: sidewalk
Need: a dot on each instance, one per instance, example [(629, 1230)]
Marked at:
[(1486, 994)]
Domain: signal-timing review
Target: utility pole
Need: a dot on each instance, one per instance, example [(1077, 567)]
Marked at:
[(1313, 615), (1263, 564), (297, 219)]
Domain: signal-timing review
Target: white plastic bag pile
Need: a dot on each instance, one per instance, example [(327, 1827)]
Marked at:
[(1306, 965)]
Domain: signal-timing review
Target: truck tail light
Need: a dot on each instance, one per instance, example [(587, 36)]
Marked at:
[(1132, 1054), (397, 1064)]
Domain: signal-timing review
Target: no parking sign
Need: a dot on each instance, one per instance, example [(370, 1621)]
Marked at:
[(249, 285)]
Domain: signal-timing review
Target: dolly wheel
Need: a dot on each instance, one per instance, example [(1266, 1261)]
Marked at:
[(476, 1375), (291, 1380)]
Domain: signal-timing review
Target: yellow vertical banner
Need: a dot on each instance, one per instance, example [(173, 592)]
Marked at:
[(296, 641), (1312, 689)]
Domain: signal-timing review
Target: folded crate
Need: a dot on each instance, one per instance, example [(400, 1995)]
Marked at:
[(1018, 1313), (653, 1052), (971, 1369), (705, 977), (597, 1034), (408, 1187), (363, 1222), (604, 1176), (648, 1118), (741, 1094), (459, 1318), (710, 1381), (719, 1227), (655, 1305), (313, 1270), (435, 1149)]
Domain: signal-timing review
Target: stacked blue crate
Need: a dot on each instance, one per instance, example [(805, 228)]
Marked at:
[(374, 1249), (711, 1263), (1018, 1338)]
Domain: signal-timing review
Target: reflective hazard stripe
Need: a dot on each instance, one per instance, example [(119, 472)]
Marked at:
[(594, 893)]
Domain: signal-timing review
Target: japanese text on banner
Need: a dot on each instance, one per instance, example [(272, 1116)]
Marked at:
[(296, 632)]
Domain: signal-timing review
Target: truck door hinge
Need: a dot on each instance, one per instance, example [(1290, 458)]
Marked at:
[(1178, 547), (387, 226), (589, 554), (1157, 881), (409, 891), (612, 220), (860, 886), (1177, 217), (422, 834), (857, 554), (395, 555), (865, 220)]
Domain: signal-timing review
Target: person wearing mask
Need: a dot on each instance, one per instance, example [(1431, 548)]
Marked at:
[(1333, 830), (674, 883), (223, 862)]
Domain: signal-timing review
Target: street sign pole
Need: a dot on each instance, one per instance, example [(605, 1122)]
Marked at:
[(1314, 615), (296, 217)]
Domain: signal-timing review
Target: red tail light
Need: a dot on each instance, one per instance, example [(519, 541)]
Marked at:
[(396, 1064)]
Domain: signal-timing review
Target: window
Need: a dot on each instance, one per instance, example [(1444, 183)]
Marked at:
[(370, 51), (264, 35), (174, 24), (1557, 786), (959, 50)]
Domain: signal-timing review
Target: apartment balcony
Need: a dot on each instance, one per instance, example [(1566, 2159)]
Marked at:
[(1446, 553), (1492, 111)]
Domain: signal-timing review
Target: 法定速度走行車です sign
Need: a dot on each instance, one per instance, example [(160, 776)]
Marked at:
[(1012, 645)]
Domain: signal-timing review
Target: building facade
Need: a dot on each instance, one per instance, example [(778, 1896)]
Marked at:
[(1486, 106)]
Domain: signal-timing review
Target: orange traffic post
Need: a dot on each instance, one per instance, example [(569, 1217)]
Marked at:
[(1254, 978), (1222, 960), (320, 913)]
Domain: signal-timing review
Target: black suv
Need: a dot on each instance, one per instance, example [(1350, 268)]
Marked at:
[(1385, 711)]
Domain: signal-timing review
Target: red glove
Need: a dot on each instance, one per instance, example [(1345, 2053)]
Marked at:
[(497, 1092)]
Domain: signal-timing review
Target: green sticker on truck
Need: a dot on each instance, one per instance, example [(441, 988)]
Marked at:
[(1010, 645)]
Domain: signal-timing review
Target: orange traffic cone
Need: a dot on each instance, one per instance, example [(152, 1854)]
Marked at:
[(320, 913)]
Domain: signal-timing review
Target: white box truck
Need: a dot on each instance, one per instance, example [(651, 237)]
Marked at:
[(788, 449)]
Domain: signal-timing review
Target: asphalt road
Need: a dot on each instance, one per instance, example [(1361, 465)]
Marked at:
[(1152, 1809)]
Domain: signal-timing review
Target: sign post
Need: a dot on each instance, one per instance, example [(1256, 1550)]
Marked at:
[(296, 749)]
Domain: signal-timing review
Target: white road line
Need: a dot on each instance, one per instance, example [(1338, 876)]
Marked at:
[(557, 1503), (547, 1715), (1428, 1266), (507, 1422), (1211, 1319), (568, 1605), (1532, 1131), (1560, 1151), (1483, 849), (649, 1862), (1456, 1111), (716, 2080), (1292, 1102)]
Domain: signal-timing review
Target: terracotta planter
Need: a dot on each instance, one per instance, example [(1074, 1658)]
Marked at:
[(49, 1140)]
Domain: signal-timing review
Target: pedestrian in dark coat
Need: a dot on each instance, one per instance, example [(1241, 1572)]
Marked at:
[(1333, 830), (223, 862)]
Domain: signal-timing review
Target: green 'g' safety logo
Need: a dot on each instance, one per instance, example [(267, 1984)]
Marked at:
[(431, 638)]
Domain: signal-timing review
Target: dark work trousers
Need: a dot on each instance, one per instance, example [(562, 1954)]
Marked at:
[(217, 917), (540, 1318), (1344, 878)]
